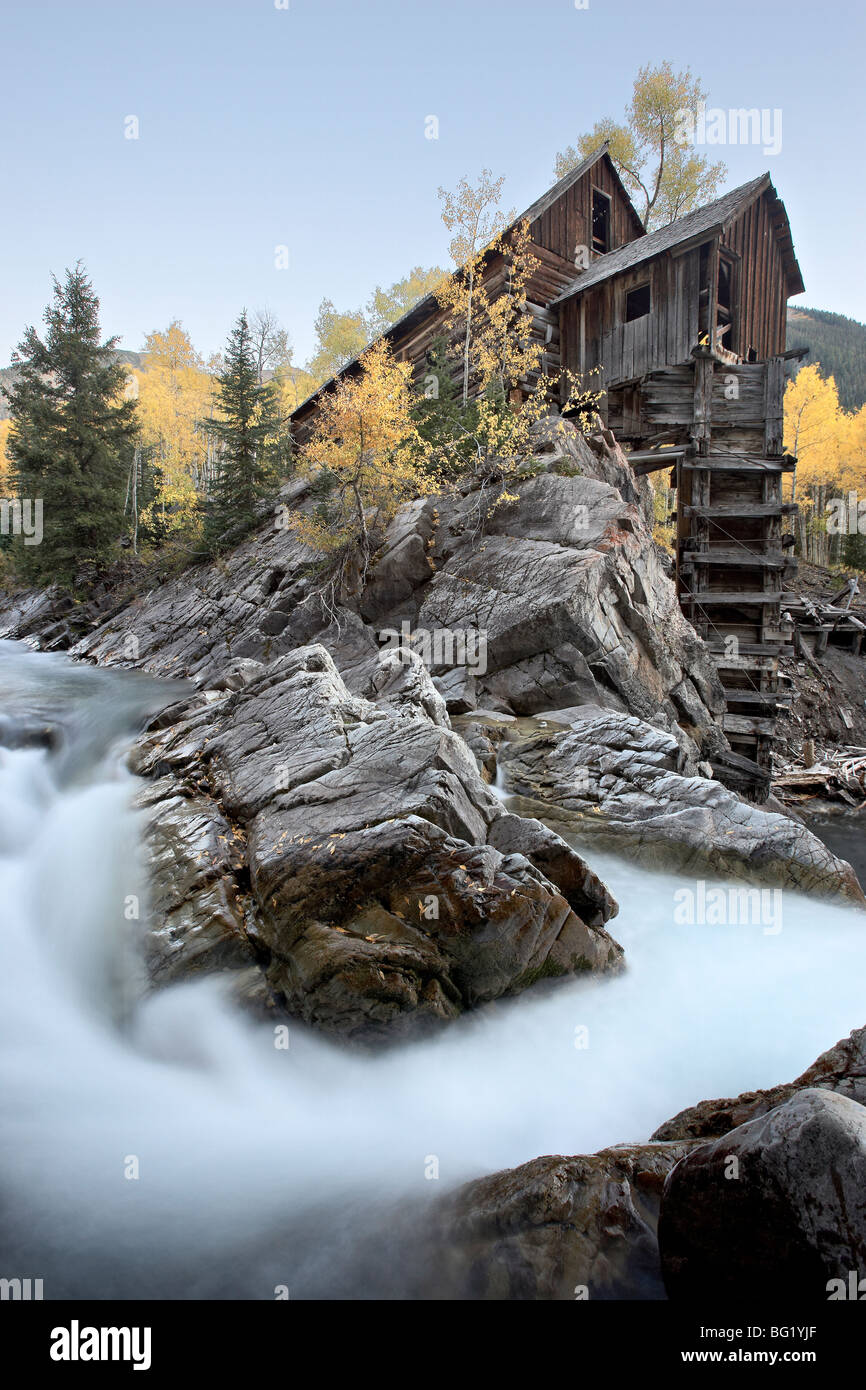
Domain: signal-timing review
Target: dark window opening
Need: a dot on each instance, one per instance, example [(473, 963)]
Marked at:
[(725, 304), (600, 222), (637, 303)]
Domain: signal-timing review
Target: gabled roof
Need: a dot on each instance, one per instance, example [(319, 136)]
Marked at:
[(694, 227), (540, 207), (419, 311)]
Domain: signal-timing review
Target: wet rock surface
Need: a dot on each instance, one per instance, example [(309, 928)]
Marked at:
[(774, 1209), (572, 597), (622, 784), (353, 850), (556, 1228), (841, 1069)]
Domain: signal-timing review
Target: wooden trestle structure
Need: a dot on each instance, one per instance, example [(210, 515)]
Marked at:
[(722, 428)]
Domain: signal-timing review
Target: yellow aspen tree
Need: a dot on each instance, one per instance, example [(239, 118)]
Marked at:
[(174, 395), (506, 362), (365, 458), (473, 217)]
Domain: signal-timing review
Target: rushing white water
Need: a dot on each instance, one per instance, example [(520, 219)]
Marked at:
[(254, 1163)]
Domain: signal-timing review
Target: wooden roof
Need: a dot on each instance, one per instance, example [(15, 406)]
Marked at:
[(695, 227), (418, 312)]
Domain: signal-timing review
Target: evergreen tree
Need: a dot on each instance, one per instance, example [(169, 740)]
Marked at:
[(442, 421), (246, 427), (854, 552), (72, 436)]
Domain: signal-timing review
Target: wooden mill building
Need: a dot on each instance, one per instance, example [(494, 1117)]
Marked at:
[(684, 328)]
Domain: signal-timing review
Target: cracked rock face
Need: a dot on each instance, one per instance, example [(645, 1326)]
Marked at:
[(352, 849), (619, 783), (774, 1209)]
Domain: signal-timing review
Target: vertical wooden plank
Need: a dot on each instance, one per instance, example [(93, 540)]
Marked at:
[(582, 333), (703, 395), (774, 407)]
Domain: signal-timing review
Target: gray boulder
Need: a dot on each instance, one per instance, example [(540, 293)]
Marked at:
[(774, 1210), (617, 782), (557, 1228)]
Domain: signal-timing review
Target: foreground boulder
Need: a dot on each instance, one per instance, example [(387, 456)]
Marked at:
[(351, 848), (619, 783), (555, 1228), (776, 1209), (588, 1226)]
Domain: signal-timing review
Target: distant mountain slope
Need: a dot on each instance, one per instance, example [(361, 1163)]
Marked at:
[(839, 344)]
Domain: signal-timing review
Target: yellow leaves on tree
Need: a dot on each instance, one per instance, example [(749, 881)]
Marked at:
[(365, 455), (821, 434), (174, 396), (830, 447), (473, 216), (665, 177), (339, 338), (293, 386), (6, 488), (503, 362)]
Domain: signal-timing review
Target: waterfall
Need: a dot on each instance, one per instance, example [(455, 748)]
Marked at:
[(159, 1144)]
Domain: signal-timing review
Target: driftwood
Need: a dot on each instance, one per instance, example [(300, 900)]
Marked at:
[(821, 618), (839, 774)]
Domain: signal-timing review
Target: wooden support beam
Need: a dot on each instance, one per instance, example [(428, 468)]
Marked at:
[(744, 509), (774, 412), (703, 398), (749, 558), (733, 596), (765, 664), (748, 724), (647, 455), (758, 697), (723, 463), (652, 466), (718, 647)]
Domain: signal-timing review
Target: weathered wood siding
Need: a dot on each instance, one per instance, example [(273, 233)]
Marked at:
[(625, 351), (567, 224), (760, 286), (411, 341)]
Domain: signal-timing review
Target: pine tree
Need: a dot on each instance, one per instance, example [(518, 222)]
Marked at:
[(442, 421), (72, 437), (247, 429)]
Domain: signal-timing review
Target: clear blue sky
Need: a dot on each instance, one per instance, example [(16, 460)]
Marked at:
[(304, 127)]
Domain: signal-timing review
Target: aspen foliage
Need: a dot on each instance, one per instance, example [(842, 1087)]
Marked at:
[(829, 444), (473, 216), (5, 461), (174, 394), (506, 388), (365, 458), (665, 179)]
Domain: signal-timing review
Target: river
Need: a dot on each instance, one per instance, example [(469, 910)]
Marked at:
[(157, 1144)]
